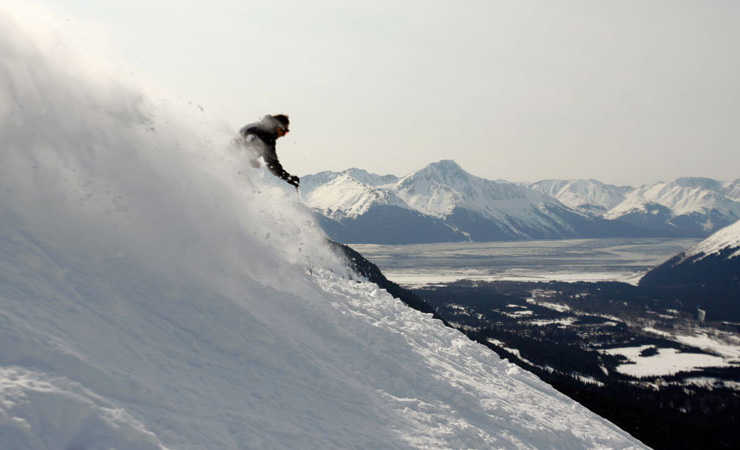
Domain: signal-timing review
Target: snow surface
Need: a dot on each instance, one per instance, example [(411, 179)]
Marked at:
[(724, 344), (668, 361), (726, 238), (154, 293)]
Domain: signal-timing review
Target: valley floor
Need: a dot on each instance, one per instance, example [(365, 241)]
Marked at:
[(636, 356)]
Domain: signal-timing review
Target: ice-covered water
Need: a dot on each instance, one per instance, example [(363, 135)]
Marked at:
[(565, 260)]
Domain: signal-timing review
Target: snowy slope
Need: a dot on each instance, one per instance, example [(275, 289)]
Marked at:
[(587, 196), (711, 265), (154, 294), (726, 241)]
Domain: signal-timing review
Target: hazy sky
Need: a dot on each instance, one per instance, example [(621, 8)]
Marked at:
[(628, 92)]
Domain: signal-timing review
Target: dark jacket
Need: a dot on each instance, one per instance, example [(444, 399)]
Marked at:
[(261, 137)]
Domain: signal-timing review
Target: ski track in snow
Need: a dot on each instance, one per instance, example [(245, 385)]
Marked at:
[(154, 294)]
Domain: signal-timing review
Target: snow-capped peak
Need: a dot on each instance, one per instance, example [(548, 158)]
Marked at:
[(310, 182), (440, 188), (347, 197), (589, 196), (446, 172)]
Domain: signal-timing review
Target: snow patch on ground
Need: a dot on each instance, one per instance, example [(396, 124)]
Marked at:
[(562, 322), (668, 361), (725, 344)]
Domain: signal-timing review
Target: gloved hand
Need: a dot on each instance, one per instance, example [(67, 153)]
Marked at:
[(294, 180)]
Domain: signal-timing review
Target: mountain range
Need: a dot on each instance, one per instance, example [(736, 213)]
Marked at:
[(444, 203)]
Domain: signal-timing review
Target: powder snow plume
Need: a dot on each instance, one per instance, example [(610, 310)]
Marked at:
[(154, 294)]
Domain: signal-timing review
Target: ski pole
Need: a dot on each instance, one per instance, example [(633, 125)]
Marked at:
[(298, 194)]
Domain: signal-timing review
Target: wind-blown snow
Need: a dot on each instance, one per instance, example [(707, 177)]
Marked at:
[(154, 293)]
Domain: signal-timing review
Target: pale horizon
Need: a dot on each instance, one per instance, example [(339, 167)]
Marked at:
[(628, 93), (526, 181)]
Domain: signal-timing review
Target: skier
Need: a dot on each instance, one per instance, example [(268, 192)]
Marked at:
[(260, 138)]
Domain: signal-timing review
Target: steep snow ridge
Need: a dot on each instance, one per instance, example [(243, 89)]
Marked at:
[(311, 182), (347, 197), (155, 293), (587, 196), (371, 179), (727, 238)]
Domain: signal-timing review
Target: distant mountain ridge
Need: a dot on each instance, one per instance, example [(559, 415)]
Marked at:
[(443, 203), (686, 206)]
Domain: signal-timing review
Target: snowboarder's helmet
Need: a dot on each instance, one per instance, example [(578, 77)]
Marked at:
[(283, 121)]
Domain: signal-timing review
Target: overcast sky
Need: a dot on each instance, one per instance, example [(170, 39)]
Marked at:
[(627, 92)]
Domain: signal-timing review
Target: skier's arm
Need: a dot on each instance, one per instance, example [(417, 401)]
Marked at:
[(274, 166)]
